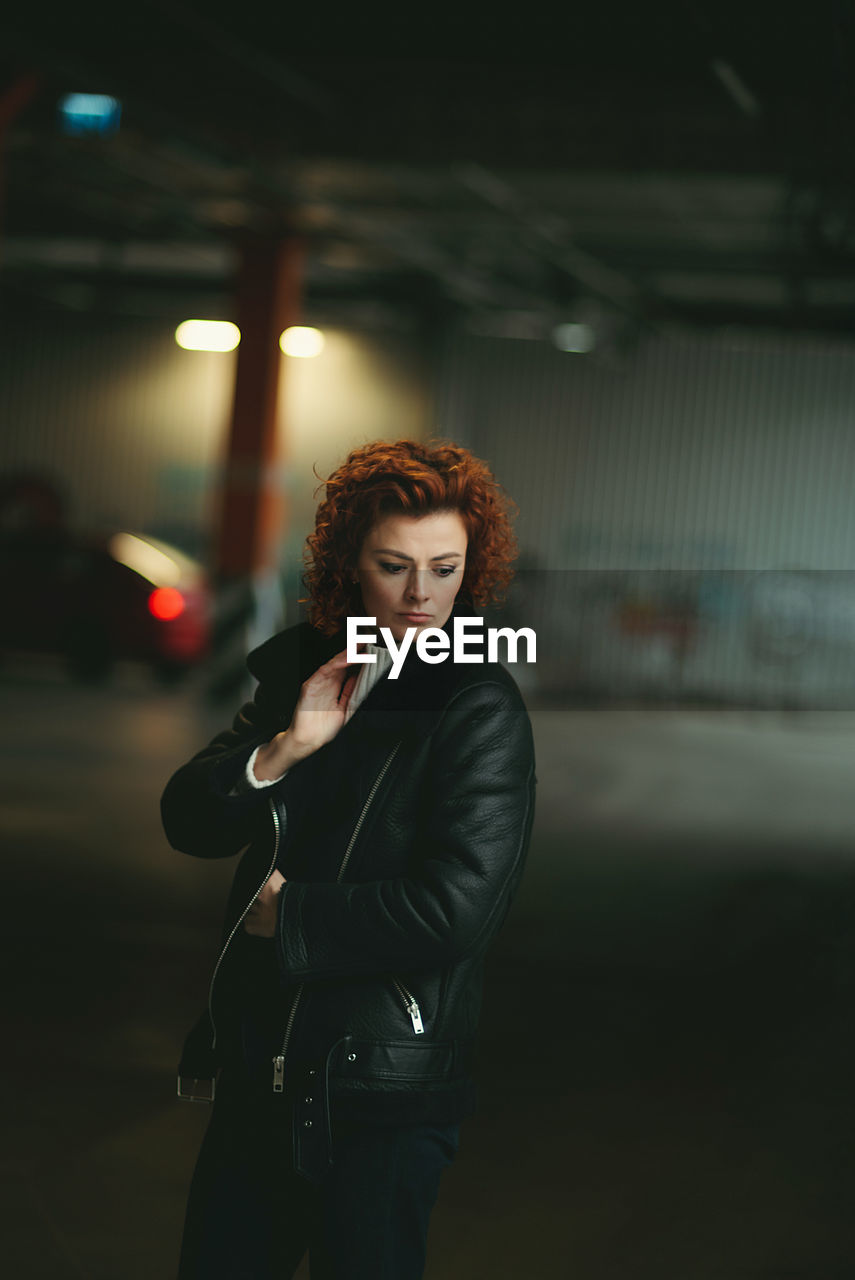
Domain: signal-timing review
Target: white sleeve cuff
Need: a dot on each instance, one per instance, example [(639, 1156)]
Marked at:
[(249, 779)]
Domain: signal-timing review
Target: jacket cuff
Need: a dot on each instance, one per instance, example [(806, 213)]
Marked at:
[(227, 779), (291, 955)]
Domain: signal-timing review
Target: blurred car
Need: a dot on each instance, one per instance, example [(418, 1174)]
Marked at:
[(98, 599)]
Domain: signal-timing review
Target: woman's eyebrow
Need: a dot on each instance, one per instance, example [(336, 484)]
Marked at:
[(386, 551)]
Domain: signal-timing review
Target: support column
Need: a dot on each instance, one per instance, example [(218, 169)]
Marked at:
[(252, 509), (253, 504)]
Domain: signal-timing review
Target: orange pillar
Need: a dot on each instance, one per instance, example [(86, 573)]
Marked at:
[(252, 508)]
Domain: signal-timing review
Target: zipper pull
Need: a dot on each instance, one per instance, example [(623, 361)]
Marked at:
[(279, 1073), (416, 1015)]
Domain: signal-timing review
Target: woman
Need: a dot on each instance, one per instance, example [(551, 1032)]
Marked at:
[(384, 824)]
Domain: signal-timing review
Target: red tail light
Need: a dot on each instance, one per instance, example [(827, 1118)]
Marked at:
[(166, 603)]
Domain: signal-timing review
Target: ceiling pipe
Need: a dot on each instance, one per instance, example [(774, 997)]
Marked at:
[(603, 282), (735, 87)]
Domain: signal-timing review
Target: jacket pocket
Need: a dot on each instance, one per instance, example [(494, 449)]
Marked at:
[(410, 1006)]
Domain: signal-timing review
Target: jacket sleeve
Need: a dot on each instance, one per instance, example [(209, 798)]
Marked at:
[(468, 862), (206, 809)]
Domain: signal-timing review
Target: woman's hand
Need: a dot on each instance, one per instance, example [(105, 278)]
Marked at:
[(317, 718), (260, 920)]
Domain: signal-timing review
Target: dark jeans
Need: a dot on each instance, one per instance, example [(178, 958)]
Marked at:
[(251, 1217)]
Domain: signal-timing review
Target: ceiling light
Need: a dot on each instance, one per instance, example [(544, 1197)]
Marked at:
[(574, 337), (207, 335), (89, 113), (302, 341)]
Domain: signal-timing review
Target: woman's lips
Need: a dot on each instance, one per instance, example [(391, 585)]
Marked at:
[(416, 617)]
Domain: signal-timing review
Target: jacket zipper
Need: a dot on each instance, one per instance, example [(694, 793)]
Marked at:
[(240, 920), (411, 1006), (279, 1059), (372, 793)]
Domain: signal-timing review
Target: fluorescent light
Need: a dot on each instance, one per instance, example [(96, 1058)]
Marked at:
[(302, 341), (90, 113), (574, 337), (207, 335)]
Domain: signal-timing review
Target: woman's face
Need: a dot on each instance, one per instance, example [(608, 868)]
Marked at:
[(410, 569)]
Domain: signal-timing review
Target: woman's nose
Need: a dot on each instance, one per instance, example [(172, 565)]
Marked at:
[(417, 585)]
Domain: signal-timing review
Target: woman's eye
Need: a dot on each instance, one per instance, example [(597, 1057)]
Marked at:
[(442, 570)]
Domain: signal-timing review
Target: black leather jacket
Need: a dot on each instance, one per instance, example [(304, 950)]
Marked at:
[(402, 842)]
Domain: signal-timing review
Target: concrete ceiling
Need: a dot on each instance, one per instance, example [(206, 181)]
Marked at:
[(685, 164)]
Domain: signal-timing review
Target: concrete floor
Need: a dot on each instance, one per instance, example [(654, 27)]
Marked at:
[(668, 1047)]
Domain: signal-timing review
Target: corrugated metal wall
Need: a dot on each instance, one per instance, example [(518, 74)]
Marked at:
[(710, 453), (687, 521)]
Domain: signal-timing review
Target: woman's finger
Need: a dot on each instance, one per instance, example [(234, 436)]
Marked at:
[(326, 674), (338, 660), (346, 690), (341, 660)]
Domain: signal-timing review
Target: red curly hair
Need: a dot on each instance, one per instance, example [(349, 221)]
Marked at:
[(406, 478)]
